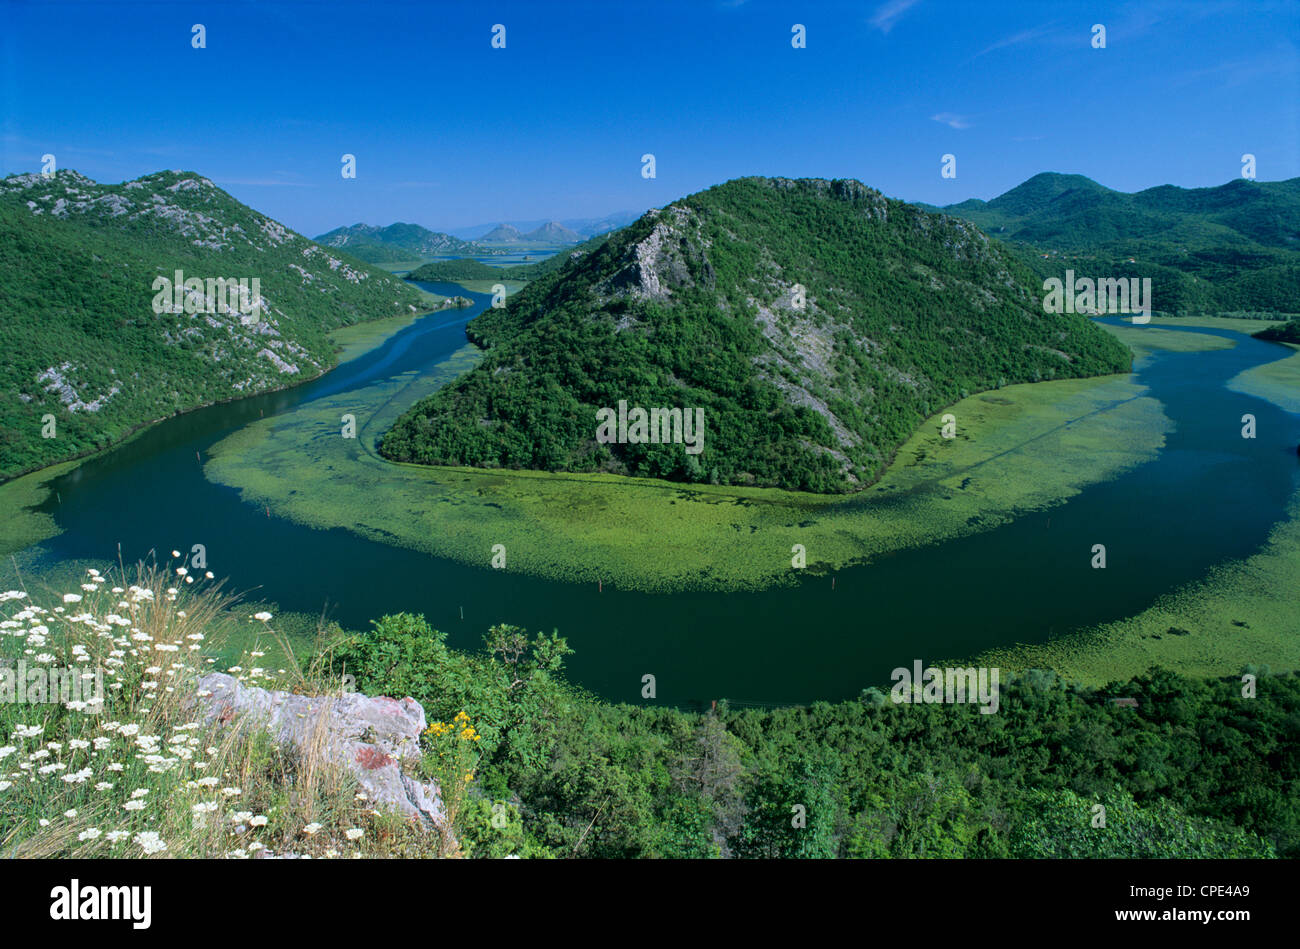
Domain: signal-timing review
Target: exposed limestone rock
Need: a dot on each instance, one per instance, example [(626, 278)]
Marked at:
[(284, 367), (58, 383), (661, 262), (371, 737)]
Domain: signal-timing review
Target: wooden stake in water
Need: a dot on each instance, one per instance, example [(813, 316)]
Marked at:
[(462, 612)]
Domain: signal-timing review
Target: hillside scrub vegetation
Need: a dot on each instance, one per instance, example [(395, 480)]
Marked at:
[(815, 322), (1227, 249), (83, 344)]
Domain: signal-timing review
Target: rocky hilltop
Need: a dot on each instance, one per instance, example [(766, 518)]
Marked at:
[(552, 232), (816, 323)]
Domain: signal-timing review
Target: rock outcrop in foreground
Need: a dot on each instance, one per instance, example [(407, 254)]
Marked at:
[(370, 737)]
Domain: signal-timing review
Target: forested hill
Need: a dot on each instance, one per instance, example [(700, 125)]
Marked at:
[(81, 338), (399, 242), (1235, 247), (697, 305)]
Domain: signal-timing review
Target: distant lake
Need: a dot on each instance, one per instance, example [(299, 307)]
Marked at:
[(494, 260), (1204, 499)]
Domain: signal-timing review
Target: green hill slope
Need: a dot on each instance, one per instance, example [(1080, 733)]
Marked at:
[(83, 343), (399, 242), (1235, 247), (696, 306), (456, 271)]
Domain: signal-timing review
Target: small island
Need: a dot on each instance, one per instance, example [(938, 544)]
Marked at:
[(1288, 332)]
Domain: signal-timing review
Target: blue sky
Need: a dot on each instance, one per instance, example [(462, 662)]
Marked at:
[(449, 132)]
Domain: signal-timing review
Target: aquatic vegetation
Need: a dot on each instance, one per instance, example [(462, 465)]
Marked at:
[(1018, 448), (1237, 324), (1143, 339), (486, 286), (22, 525), (353, 341), (1277, 382), (1243, 613)]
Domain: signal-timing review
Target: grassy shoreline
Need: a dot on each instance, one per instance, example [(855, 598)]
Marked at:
[(1243, 612), (660, 536), (1277, 382)]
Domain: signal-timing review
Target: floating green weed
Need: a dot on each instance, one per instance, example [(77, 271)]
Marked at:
[(1242, 613), (1019, 448), (1277, 382)]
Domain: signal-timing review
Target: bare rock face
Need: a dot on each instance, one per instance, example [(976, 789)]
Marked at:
[(369, 736)]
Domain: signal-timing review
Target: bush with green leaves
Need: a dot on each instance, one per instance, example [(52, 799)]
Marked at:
[(1062, 824), (1195, 768)]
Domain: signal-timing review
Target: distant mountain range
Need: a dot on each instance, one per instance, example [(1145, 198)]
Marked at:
[(1235, 247), (93, 337), (552, 232), (400, 243), (578, 228), (502, 234)]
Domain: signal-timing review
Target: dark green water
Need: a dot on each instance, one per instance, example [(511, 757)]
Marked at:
[(1210, 496)]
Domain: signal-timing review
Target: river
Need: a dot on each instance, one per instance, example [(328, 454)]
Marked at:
[(1209, 496)]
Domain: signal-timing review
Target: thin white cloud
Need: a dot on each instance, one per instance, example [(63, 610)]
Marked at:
[(1282, 62), (1142, 20), (1016, 39), (952, 120), (887, 14)]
